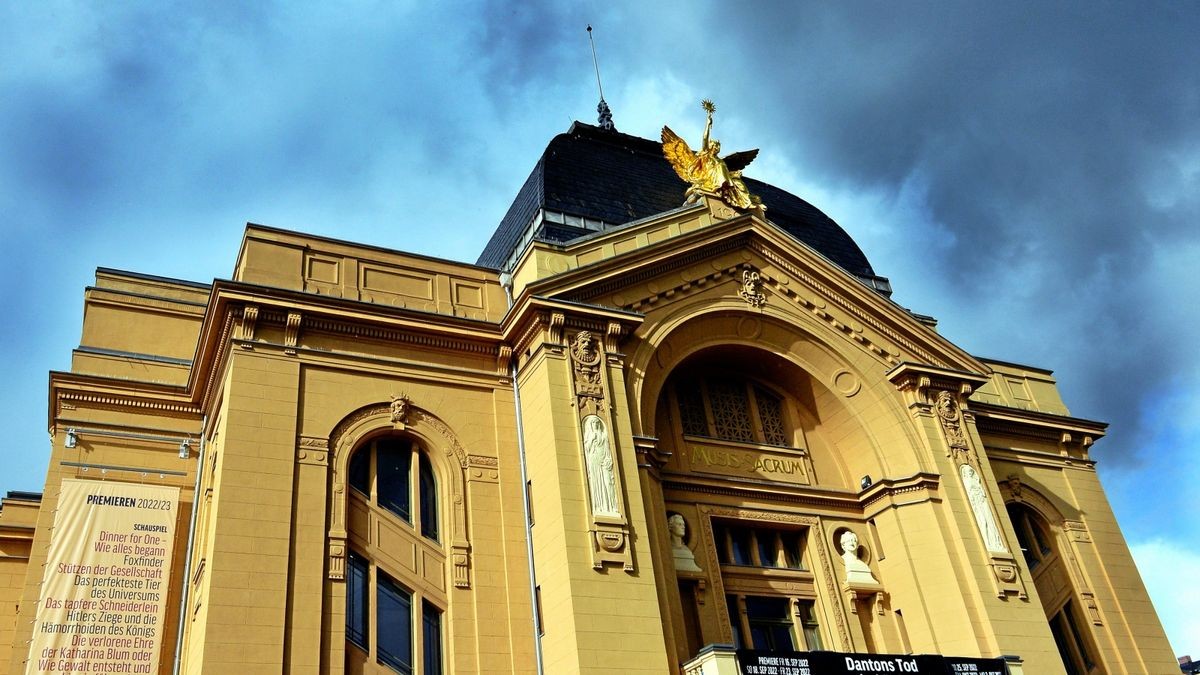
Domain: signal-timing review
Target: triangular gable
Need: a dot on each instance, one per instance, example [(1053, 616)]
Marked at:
[(718, 255)]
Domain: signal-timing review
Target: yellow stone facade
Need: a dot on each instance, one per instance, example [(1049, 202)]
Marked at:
[(701, 365)]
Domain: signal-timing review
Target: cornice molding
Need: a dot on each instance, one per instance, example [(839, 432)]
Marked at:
[(123, 402)]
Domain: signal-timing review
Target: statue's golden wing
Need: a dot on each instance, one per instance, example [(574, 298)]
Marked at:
[(678, 153), (740, 160)]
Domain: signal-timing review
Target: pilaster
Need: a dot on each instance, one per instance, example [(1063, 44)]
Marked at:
[(599, 603)]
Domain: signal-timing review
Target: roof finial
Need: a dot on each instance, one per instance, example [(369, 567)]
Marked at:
[(605, 119)]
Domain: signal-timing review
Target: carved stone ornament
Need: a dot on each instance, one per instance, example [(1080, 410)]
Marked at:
[(585, 355), (610, 544), (751, 290), (399, 409), (951, 418), (249, 321), (1093, 610), (337, 558), (291, 334), (1014, 486), (460, 558)]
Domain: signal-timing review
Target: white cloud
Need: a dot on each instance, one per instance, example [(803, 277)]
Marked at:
[(1169, 571)]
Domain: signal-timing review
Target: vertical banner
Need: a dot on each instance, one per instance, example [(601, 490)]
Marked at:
[(105, 585)]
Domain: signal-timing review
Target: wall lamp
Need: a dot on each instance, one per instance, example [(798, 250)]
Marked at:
[(866, 482), (184, 443)]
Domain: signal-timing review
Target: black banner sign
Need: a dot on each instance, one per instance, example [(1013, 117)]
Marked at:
[(753, 662)]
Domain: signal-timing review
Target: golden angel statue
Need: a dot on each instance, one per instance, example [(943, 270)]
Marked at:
[(706, 171)]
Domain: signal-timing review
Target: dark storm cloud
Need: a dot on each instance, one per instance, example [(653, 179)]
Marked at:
[(1035, 132)]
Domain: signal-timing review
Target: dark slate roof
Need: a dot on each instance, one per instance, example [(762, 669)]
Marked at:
[(618, 178)]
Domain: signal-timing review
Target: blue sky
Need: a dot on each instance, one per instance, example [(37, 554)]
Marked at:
[(1028, 174)]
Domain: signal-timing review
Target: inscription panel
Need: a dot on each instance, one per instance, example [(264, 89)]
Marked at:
[(737, 460)]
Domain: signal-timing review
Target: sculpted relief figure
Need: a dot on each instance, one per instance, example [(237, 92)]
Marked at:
[(399, 408), (601, 481), (685, 561), (983, 511), (857, 571), (587, 364)]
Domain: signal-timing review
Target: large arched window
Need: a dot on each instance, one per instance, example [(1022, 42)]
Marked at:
[(731, 408), (395, 578), (383, 472), (1052, 579)]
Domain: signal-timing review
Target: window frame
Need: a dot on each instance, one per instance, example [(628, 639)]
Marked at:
[(426, 602), (420, 473), (702, 383), (1041, 546)]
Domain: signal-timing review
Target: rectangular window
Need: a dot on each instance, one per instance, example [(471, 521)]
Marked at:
[(770, 625), (793, 549), (731, 602), (768, 548), (807, 611), (1084, 654), (432, 622), (394, 632), (357, 594), (739, 540), (537, 602), (759, 546)]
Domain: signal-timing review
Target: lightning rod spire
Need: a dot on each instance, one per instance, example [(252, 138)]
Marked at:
[(605, 118)]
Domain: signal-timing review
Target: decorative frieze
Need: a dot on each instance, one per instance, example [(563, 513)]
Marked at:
[(1077, 531), (313, 451)]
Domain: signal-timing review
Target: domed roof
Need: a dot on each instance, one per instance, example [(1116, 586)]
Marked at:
[(610, 178)]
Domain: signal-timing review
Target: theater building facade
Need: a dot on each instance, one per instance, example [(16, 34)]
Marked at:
[(637, 435)]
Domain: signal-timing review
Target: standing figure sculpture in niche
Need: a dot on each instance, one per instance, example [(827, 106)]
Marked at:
[(983, 512), (685, 560), (601, 481)]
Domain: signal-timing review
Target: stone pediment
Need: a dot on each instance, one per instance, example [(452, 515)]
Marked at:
[(746, 263)]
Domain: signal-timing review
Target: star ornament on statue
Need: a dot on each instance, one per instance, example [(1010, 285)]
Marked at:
[(705, 171)]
